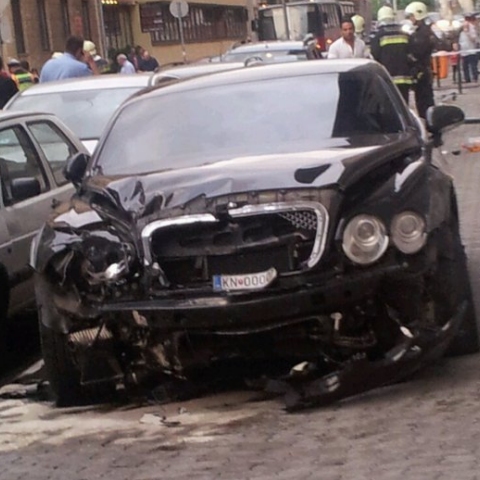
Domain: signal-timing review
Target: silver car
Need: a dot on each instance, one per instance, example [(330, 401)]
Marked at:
[(183, 72), (34, 148), (84, 104), (270, 52)]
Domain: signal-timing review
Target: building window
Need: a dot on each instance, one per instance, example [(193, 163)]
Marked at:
[(17, 26), (202, 24), (118, 26), (86, 20), (42, 21), (65, 18)]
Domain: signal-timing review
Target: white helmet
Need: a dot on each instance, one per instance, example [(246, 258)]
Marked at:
[(417, 9), (90, 47), (359, 23), (385, 14)]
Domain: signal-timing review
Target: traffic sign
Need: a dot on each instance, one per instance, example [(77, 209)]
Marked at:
[(179, 8)]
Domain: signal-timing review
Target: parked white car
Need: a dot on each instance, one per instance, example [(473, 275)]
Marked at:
[(84, 104)]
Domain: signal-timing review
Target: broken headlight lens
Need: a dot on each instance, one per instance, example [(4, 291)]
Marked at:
[(408, 232), (105, 261), (364, 239)]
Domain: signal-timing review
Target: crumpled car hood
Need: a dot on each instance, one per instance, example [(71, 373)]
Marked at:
[(333, 166)]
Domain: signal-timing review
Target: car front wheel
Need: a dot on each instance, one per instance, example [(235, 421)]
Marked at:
[(451, 286), (62, 370)]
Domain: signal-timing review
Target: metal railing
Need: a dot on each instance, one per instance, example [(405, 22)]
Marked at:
[(436, 57)]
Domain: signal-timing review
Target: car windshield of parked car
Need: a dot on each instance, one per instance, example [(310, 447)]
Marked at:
[(85, 112), (268, 117)]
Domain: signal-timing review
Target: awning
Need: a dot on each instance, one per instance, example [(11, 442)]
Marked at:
[(118, 2)]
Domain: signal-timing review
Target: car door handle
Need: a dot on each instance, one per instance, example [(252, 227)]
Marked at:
[(55, 203)]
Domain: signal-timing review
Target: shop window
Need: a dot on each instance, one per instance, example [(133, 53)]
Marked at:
[(65, 18), (86, 19), (18, 26), (43, 25)]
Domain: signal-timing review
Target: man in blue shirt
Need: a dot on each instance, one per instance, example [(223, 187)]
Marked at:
[(75, 62)]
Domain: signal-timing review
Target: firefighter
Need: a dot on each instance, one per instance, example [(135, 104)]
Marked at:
[(23, 78), (422, 45), (359, 24), (390, 47)]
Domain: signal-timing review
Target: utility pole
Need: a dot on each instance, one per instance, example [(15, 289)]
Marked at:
[(251, 18), (285, 18)]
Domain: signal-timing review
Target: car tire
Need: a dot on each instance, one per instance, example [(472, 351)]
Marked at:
[(62, 371), (452, 284)]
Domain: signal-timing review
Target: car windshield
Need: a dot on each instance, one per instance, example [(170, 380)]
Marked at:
[(85, 112), (273, 116)]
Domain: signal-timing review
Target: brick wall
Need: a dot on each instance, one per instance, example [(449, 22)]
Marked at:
[(38, 48)]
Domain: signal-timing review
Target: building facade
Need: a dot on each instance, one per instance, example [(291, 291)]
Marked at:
[(33, 29), (209, 28)]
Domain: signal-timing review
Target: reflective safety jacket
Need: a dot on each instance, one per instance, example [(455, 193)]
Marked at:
[(390, 47), (23, 80)]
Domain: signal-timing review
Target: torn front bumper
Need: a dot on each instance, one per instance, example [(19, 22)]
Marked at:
[(258, 309), (417, 348)]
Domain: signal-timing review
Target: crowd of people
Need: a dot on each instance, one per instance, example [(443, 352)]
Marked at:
[(85, 52), (79, 59)]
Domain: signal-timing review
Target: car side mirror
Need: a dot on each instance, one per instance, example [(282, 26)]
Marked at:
[(23, 188), (76, 167), (443, 117)]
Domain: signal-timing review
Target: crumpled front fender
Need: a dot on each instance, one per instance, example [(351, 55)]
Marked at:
[(48, 243)]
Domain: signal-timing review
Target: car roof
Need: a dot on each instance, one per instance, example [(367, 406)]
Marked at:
[(19, 114), (277, 45), (266, 72), (185, 71), (95, 82)]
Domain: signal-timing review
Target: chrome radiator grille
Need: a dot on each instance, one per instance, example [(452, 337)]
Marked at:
[(189, 249)]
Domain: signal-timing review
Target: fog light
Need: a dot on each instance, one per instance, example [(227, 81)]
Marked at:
[(365, 239), (408, 232)]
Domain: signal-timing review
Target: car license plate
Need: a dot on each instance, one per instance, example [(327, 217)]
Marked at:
[(246, 281)]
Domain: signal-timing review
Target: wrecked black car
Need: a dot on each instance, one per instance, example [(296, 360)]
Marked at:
[(286, 212)]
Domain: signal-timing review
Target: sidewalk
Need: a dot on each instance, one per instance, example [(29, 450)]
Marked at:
[(464, 166), (468, 100)]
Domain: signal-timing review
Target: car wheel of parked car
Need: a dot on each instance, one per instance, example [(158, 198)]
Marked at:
[(450, 285), (62, 370)]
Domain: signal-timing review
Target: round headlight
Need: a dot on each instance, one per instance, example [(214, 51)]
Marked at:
[(408, 232), (364, 239)]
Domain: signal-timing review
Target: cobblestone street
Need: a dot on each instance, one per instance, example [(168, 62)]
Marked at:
[(427, 428)]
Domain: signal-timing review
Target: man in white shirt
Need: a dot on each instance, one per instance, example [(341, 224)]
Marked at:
[(348, 45), (125, 65)]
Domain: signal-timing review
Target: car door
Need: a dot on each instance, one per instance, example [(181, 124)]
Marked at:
[(23, 214), (55, 145)]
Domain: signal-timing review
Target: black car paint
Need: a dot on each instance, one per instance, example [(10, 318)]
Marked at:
[(393, 176), (139, 200)]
